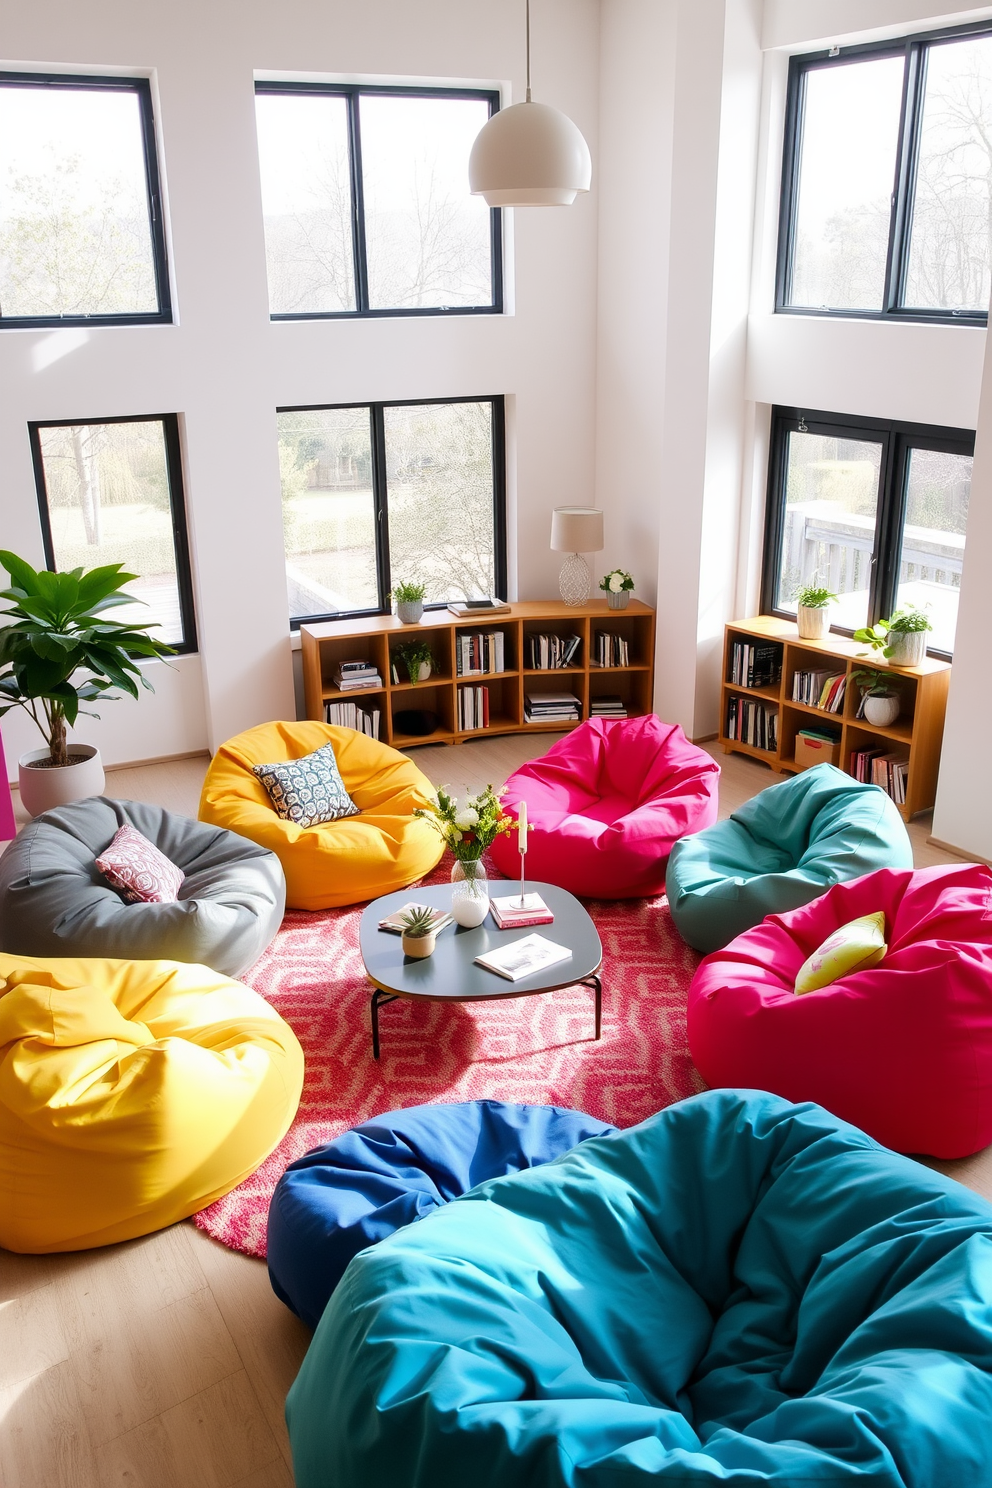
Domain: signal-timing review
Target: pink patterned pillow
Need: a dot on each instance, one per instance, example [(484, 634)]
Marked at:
[(135, 867)]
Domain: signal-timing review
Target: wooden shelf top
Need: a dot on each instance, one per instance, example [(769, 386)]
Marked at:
[(529, 609), (834, 645)]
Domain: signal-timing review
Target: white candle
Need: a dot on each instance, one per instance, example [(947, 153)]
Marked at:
[(522, 827)]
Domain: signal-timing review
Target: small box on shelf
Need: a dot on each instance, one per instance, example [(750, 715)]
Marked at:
[(815, 748)]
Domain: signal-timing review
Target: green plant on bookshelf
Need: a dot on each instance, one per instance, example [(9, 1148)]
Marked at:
[(873, 684), (418, 658), (409, 598), (881, 701), (616, 581), (901, 639), (812, 603), (814, 597)]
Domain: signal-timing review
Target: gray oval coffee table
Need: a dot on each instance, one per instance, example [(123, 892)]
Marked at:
[(449, 975)]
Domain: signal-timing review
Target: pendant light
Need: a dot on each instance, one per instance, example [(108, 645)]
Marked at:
[(529, 155)]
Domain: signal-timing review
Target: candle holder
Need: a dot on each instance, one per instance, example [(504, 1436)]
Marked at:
[(523, 859)]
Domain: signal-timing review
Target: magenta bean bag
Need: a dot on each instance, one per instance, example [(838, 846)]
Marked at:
[(903, 1050), (607, 804)]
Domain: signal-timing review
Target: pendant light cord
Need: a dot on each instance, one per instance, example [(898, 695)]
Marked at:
[(528, 49)]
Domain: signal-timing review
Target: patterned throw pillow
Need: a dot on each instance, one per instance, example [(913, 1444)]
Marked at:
[(854, 947), (135, 867), (308, 791)]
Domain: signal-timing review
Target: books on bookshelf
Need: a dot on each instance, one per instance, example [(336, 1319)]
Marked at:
[(756, 666), (552, 707), (524, 958), (752, 722), (510, 913), (350, 715), (472, 609), (478, 652), (394, 921), (548, 653), (611, 650), (608, 706), (473, 707), (875, 766), (822, 689), (352, 675)]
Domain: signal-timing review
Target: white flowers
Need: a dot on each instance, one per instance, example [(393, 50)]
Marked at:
[(616, 582), (467, 818)]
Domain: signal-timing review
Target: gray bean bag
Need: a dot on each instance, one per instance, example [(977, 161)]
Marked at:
[(55, 902)]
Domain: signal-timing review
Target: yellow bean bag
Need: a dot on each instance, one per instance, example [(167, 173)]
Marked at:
[(132, 1093), (340, 862)]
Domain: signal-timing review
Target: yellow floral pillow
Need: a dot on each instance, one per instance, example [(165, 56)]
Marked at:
[(854, 947)]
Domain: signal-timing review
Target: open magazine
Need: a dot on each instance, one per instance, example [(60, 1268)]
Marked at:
[(524, 958)]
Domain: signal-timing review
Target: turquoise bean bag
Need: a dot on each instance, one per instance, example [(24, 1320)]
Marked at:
[(739, 1291), (782, 849)]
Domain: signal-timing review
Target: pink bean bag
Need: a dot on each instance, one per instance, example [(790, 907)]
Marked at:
[(903, 1050), (607, 804)]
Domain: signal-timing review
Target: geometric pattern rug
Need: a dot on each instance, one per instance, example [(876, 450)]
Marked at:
[(530, 1049)]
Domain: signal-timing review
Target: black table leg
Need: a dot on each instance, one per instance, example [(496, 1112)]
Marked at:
[(379, 999), (595, 982)]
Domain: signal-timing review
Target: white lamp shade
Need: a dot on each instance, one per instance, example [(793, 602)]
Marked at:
[(576, 529), (529, 155)]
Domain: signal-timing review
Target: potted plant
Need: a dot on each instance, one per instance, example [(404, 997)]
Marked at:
[(902, 639), (468, 828), (619, 586), (58, 650), (813, 602), (409, 602), (880, 701), (417, 935), (418, 659)]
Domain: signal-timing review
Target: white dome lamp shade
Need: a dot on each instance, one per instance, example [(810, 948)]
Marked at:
[(529, 155)]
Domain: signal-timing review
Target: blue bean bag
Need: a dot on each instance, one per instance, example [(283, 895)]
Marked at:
[(739, 1291), (384, 1174), (782, 849)]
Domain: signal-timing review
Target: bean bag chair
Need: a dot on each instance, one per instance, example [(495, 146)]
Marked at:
[(54, 901), (132, 1093), (359, 857), (902, 1048), (606, 804), (783, 848), (388, 1172), (738, 1291)]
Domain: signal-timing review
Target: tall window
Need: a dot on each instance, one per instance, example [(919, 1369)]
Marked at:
[(366, 203), (876, 512), (381, 493), (111, 492), (81, 236), (887, 180)]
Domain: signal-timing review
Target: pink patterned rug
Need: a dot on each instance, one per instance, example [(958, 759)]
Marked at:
[(538, 1049)]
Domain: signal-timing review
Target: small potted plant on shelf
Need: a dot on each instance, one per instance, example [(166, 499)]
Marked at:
[(418, 659), (902, 639), (417, 936), (409, 601), (813, 601), (880, 701), (468, 828), (619, 586)]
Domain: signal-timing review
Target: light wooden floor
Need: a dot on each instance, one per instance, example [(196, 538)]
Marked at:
[(165, 1362)]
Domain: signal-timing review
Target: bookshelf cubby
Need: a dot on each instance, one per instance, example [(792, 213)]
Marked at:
[(375, 638), (915, 735)]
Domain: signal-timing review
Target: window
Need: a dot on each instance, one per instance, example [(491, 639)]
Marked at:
[(887, 180), (875, 511), (81, 237), (111, 492), (375, 494), (366, 203)]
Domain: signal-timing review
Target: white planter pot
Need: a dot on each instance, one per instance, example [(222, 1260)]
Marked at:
[(419, 946), (409, 611), (908, 647), (881, 711), (423, 673), (618, 601), (813, 622), (41, 790)]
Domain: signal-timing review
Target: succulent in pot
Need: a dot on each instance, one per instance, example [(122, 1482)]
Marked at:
[(418, 937), (880, 700), (409, 599), (813, 602)]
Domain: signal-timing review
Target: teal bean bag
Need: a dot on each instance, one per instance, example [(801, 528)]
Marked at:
[(739, 1291), (782, 849)]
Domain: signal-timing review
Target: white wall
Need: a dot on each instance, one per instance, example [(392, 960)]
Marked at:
[(225, 368)]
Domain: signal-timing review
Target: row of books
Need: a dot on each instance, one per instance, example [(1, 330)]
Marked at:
[(548, 653), (352, 676), (611, 650), (478, 652), (755, 666), (820, 690), (551, 707), (609, 706), (473, 707), (876, 767), (350, 715), (752, 723)]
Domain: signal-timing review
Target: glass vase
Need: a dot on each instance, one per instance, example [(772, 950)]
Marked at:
[(469, 892)]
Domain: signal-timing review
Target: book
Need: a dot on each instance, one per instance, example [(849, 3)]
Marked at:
[(509, 914), (524, 958), (394, 921), (471, 609)]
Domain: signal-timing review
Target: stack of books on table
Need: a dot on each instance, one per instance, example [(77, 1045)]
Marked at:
[(610, 706), (875, 767), (478, 652), (511, 911), (820, 690), (546, 653), (524, 958), (353, 675), (551, 707), (473, 707), (611, 650), (350, 715), (394, 921)]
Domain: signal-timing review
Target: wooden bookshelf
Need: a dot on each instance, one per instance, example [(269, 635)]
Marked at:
[(376, 638), (916, 734)]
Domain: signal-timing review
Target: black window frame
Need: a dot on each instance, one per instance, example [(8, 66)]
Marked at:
[(141, 87), (380, 495), (352, 93), (915, 50), (897, 439), (177, 506)]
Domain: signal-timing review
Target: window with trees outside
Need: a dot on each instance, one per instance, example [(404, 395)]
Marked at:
[(887, 180), (110, 491), (366, 203), (876, 512), (374, 495), (81, 236)]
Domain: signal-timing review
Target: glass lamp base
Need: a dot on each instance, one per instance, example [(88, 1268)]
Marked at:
[(575, 580)]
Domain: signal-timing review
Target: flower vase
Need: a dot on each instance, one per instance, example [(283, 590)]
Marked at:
[(469, 892), (618, 600)]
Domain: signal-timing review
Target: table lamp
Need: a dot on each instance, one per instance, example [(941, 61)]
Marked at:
[(576, 530)]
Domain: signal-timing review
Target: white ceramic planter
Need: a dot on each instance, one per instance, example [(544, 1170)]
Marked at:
[(419, 946), (908, 647), (618, 601), (423, 672), (41, 790), (813, 622), (409, 611), (881, 711)]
